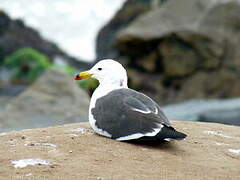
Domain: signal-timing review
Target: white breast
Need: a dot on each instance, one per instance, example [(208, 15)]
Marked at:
[(98, 93)]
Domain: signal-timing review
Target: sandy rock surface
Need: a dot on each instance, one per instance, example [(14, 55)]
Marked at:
[(73, 151)]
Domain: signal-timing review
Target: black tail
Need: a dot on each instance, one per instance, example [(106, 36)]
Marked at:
[(169, 133)]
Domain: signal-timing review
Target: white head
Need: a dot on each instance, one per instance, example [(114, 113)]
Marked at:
[(107, 72)]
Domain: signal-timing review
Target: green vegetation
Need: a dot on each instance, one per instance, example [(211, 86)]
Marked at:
[(26, 65)]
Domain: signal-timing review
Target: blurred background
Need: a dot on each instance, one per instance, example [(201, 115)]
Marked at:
[(184, 54)]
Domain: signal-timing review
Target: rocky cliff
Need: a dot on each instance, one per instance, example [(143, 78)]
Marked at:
[(14, 35), (73, 151)]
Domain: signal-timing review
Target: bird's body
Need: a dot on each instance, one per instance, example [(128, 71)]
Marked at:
[(121, 113), (98, 93)]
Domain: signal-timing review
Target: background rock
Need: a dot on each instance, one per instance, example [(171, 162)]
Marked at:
[(211, 151), (7, 93), (183, 50), (129, 12), (53, 99)]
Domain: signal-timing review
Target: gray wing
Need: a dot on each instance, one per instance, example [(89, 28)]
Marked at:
[(126, 112)]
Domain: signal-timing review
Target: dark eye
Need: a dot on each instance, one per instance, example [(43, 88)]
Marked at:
[(99, 69)]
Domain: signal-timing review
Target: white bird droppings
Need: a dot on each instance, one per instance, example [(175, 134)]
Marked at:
[(81, 130), (234, 151), (29, 174), (73, 135), (29, 162), (221, 144)]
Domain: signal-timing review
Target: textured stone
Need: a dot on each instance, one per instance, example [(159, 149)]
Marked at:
[(53, 99), (211, 151), (128, 13), (190, 46)]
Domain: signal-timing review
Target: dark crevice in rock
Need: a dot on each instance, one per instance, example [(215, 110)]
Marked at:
[(107, 35), (137, 48)]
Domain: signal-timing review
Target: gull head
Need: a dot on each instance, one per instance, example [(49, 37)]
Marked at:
[(108, 72)]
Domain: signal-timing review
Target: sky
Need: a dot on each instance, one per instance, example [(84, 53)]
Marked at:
[(72, 24)]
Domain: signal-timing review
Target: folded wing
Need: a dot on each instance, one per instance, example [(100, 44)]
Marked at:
[(127, 114)]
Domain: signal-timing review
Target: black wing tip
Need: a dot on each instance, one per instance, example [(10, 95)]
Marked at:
[(181, 135), (170, 133)]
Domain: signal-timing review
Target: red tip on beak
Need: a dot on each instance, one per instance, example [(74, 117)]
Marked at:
[(77, 77), (82, 75)]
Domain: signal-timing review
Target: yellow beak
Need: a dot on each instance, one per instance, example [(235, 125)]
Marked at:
[(82, 75)]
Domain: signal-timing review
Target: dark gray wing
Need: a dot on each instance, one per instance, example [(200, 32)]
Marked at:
[(125, 112)]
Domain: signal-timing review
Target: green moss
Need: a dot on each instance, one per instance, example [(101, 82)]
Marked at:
[(26, 64)]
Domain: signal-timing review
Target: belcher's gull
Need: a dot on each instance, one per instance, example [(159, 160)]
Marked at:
[(121, 113)]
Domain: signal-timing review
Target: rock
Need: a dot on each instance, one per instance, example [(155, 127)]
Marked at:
[(4, 100), (128, 13), (14, 34), (7, 93), (222, 83), (210, 152), (11, 90), (178, 60), (185, 45), (52, 100)]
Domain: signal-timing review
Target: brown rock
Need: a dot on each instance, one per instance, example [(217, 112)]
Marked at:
[(218, 84), (178, 60), (209, 152), (149, 63), (128, 13)]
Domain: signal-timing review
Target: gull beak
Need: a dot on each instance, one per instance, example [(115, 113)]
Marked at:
[(82, 75)]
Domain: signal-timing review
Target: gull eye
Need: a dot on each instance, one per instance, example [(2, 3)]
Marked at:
[(99, 69)]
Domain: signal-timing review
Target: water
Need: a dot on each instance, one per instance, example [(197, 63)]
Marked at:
[(72, 24)]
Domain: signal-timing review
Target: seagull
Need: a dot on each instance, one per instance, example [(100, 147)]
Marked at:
[(121, 113)]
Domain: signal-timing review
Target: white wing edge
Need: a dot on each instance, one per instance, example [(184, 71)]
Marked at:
[(139, 135)]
